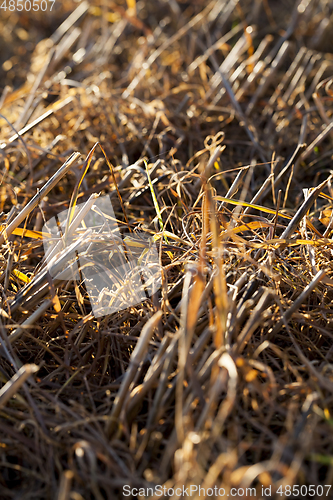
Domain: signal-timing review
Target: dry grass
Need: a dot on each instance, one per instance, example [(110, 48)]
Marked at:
[(224, 377)]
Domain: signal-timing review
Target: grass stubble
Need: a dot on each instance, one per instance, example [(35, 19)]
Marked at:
[(215, 126)]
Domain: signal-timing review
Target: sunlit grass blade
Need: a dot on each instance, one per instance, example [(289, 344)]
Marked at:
[(21, 276), (27, 233), (157, 208), (131, 4), (251, 205), (153, 195), (265, 210), (251, 225)]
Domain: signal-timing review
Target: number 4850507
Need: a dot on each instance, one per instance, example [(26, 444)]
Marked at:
[(304, 491), (27, 5)]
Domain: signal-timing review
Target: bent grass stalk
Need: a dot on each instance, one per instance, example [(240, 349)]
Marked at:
[(75, 193)]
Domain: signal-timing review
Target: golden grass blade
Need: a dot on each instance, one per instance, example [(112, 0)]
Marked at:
[(278, 242), (131, 4), (21, 276), (153, 195), (172, 236), (157, 208), (220, 286), (251, 225), (27, 233), (265, 210), (251, 205)]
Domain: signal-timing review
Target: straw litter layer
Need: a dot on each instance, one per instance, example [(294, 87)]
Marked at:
[(215, 126)]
